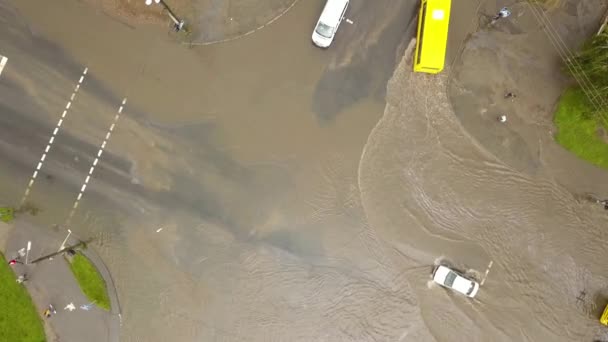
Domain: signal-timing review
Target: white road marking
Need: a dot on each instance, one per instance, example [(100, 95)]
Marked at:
[(52, 139), (92, 169), (487, 271), (3, 61)]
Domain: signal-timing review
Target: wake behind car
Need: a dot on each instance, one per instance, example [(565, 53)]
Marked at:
[(328, 23), (451, 279)]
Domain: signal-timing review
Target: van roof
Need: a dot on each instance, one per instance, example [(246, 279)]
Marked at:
[(332, 11)]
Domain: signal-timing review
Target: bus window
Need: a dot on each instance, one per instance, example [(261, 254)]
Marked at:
[(432, 36)]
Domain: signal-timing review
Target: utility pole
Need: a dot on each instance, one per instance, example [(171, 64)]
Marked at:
[(178, 24), (79, 244)]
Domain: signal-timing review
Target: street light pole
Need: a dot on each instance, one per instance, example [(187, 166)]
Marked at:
[(66, 240), (178, 24), (27, 252)]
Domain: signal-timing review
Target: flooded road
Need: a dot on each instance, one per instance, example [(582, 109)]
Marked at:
[(266, 190)]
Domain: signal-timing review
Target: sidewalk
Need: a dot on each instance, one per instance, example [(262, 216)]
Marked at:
[(52, 282)]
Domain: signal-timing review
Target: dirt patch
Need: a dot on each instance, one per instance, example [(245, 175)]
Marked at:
[(209, 21)]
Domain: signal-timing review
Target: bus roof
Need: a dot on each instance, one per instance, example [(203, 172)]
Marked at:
[(436, 23)]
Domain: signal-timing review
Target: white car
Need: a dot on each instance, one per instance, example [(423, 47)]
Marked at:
[(328, 23), (453, 280)]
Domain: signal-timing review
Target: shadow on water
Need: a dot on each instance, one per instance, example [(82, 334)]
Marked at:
[(371, 66)]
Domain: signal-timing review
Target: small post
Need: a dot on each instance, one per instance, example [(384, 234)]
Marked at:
[(177, 23), (27, 252)]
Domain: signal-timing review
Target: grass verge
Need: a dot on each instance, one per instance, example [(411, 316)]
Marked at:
[(90, 281), (578, 128), (19, 319)]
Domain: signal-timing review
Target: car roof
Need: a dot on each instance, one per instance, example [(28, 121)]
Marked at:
[(461, 284), (332, 11)]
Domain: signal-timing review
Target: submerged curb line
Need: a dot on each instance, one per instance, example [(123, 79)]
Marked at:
[(246, 33)]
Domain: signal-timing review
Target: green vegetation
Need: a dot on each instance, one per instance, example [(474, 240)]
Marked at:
[(19, 320), (592, 61), (7, 214), (582, 113), (578, 128), (90, 281)]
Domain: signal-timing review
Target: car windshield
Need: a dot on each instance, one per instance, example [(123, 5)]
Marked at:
[(471, 288), (449, 280), (325, 30)]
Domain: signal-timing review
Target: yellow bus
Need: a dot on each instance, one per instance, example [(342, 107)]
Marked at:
[(432, 37), (604, 318)]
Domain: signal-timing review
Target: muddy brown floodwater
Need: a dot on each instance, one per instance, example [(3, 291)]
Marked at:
[(300, 198)]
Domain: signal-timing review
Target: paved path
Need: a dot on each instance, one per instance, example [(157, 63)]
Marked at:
[(52, 282)]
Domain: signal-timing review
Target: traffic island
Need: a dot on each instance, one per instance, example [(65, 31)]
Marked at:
[(19, 320), (89, 279)]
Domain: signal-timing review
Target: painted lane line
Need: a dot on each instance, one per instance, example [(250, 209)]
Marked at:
[(120, 109), (92, 169), (3, 61), (486, 274), (52, 138)]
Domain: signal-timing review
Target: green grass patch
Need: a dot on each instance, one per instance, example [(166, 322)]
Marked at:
[(578, 128), (19, 319), (7, 214), (90, 281)]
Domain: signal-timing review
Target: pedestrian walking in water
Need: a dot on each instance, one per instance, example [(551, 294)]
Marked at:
[(22, 278), (14, 261), (510, 95), (503, 13), (502, 118)]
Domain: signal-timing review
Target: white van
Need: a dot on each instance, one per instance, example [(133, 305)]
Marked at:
[(328, 23)]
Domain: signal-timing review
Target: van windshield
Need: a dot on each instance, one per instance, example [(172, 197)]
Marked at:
[(325, 30)]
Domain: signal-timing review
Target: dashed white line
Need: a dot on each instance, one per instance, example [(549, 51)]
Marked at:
[(52, 139), (3, 61), (487, 271), (92, 169)]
